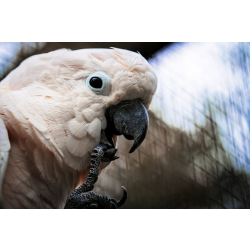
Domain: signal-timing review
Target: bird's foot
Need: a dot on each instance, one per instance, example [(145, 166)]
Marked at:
[(83, 196), (92, 200)]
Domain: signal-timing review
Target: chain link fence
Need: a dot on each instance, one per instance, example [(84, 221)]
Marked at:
[(196, 153)]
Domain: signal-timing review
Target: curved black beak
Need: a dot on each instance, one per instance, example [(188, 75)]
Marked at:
[(128, 118)]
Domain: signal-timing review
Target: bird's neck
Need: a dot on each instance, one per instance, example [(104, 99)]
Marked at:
[(34, 179)]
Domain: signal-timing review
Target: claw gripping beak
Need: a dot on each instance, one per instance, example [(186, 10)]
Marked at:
[(128, 118)]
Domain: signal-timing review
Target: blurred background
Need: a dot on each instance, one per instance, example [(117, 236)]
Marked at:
[(196, 153)]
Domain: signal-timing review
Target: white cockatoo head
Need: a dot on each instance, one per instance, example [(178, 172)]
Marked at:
[(63, 99)]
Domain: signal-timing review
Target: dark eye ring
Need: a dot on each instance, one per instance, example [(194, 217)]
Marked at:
[(96, 82)]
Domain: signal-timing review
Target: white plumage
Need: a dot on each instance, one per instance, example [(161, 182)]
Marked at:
[(52, 119)]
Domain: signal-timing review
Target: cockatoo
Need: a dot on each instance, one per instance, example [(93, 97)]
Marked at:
[(60, 112)]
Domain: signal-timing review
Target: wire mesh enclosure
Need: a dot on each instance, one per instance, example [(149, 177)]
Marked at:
[(196, 153)]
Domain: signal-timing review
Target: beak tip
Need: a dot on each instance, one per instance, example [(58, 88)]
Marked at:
[(132, 149)]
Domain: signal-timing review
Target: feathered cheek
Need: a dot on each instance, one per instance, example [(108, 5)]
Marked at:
[(94, 129), (77, 129), (82, 138)]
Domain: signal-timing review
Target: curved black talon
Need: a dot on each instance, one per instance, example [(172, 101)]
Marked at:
[(124, 197), (120, 202)]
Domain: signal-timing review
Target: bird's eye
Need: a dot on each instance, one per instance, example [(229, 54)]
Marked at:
[(99, 83), (95, 82)]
